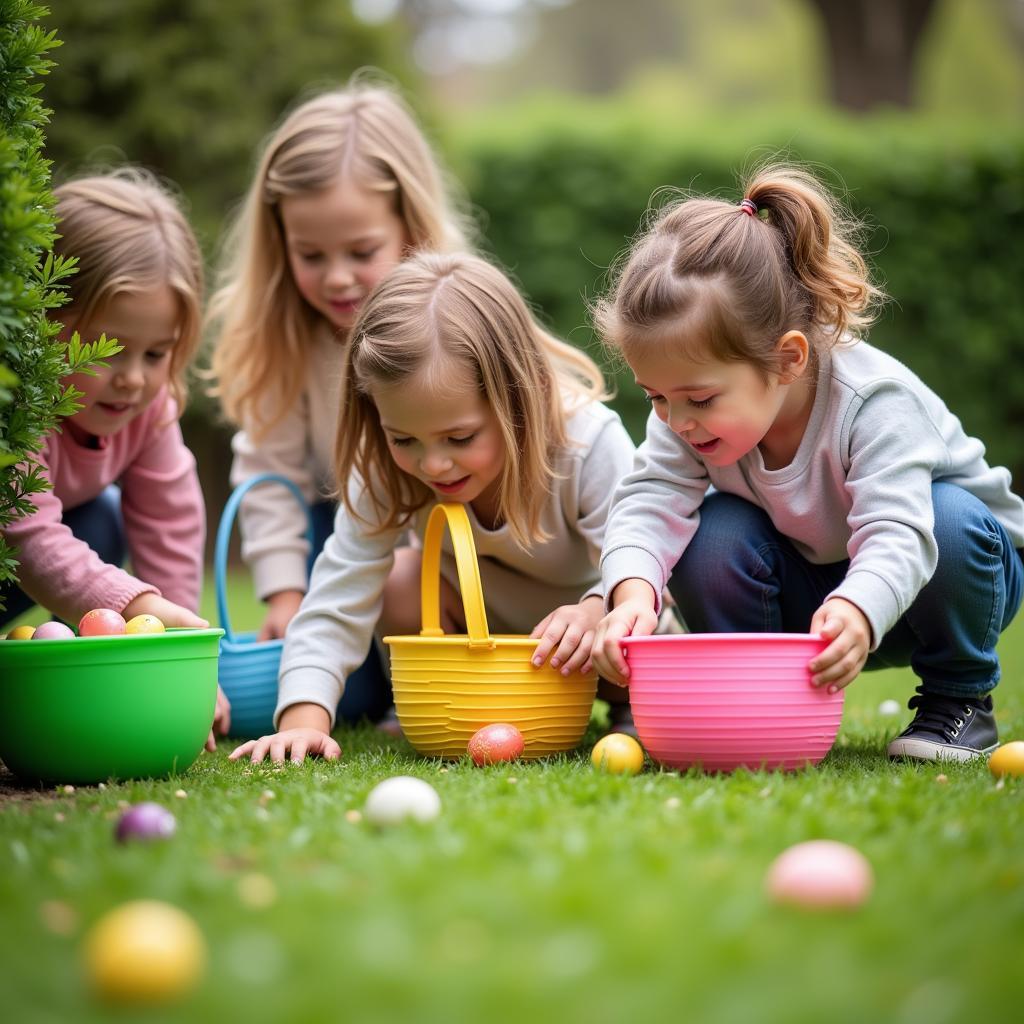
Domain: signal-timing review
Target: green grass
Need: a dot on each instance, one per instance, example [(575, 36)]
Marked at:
[(545, 892)]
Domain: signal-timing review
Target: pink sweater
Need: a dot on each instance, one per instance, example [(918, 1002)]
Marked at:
[(164, 520)]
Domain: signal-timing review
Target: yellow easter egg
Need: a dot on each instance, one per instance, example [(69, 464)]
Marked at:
[(144, 624), (618, 754), (1007, 760), (21, 633), (144, 952)]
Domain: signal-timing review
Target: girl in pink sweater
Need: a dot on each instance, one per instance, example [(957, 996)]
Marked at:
[(139, 281)]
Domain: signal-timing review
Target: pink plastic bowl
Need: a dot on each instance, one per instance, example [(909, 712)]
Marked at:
[(729, 700)]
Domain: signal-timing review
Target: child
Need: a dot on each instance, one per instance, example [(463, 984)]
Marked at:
[(847, 498), (452, 392), (139, 280), (346, 188)]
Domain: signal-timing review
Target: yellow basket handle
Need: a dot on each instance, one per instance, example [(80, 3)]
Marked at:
[(469, 574)]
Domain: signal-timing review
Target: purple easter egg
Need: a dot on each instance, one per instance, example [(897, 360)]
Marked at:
[(53, 631), (146, 821)]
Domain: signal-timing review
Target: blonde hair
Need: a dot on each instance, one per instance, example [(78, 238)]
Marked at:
[(129, 234), (364, 132), (436, 315), (735, 283)]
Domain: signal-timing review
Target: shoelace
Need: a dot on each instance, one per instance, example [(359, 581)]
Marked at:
[(944, 716)]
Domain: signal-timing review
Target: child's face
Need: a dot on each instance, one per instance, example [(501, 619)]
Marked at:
[(146, 324), (341, 242), (721, 410), (450, 440)]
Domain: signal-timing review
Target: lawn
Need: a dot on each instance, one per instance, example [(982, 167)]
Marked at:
[(545, 892)]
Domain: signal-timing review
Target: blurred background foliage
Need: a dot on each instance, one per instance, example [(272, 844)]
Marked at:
[(562, 117)]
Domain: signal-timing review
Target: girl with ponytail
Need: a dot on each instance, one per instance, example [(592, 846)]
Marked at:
[(796, 478)]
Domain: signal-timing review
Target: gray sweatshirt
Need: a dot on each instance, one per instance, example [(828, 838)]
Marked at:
[(331, 634), (859, 487)]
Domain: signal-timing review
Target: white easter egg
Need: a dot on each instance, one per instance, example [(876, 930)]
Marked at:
[(890, 707), (399, 798)]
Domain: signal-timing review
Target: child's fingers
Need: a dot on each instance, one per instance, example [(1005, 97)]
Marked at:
[(551, 637), (241, 750), (278, 749), (580, 656), (299, 748), (570, 642), (538, 630), (330, 750), (259, 751), (211, 742)]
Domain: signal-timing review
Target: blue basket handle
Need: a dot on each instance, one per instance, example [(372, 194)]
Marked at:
[(227, 522)]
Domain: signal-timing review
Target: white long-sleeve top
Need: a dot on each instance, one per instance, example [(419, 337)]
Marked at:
[(300, 447), (331, 634), (858, 488)]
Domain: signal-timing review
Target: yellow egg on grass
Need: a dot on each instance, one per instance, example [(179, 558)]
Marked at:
[(144, 624), (21, 633), (618, 754), (144, 952), (1008, 760)]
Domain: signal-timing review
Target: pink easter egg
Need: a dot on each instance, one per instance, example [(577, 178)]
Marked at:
[(53, 631), (493, 743), (101, 622), (821, 874)]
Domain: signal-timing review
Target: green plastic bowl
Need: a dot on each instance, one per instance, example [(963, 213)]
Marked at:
[(107, 707)]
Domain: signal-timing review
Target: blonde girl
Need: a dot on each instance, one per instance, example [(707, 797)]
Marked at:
[(346, 187), (452, 392), (140, 281), (847, 501)]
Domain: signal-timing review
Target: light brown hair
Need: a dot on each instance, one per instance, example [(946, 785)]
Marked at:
[(263, 324), (452, 316), (710, 275), (129, 233)]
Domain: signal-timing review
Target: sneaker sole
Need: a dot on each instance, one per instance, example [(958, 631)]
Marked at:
[(924, 750)]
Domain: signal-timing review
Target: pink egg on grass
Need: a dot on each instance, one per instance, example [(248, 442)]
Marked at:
[(494, 743), (101, 622), (53, 631), (145, 821), (820, 875)]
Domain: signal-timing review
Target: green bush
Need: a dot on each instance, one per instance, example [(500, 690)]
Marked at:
[(563, 187), (32, 397)]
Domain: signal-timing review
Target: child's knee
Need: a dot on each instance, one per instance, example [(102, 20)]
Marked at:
[(400, 614)]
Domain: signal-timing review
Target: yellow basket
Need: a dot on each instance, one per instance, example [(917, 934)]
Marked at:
[(447, 686)]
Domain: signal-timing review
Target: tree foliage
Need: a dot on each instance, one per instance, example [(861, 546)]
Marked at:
[(188, 88), (32, 362)]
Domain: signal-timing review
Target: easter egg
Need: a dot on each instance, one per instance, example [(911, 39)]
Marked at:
[(144, 624), (21, 633), (101, 622), (145, 821), (889, 708), (144, 952), (618, 754), (1008, 760), (53, 631), (400, 798), (821, 875), (493, 743)]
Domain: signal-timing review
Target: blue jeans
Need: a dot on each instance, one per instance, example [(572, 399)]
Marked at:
[(97, 523), (739, 574), (368, 689)]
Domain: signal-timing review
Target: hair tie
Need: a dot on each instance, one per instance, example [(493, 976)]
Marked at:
[(749, 207)]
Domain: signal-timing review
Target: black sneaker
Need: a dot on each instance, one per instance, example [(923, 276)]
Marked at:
[(620, 719), (947, 729)]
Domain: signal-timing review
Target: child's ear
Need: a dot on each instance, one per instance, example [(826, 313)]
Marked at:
[(794, 354)]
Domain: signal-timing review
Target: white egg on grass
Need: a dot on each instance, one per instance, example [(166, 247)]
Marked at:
[(889, 707), (400, 798)]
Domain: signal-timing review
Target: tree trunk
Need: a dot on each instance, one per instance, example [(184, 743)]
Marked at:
[(872, 45)]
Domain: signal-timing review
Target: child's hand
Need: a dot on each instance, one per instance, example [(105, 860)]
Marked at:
[(850, 632), (570, 629), (221, 720), (281, 609), (303, 730), (169, 613), (299, 741), (633, 615)]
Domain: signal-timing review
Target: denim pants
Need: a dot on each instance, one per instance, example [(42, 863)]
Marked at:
[(739, 574), (97, 523), (368, 689)]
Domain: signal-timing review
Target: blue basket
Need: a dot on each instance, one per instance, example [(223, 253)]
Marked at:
[(248, 667)]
